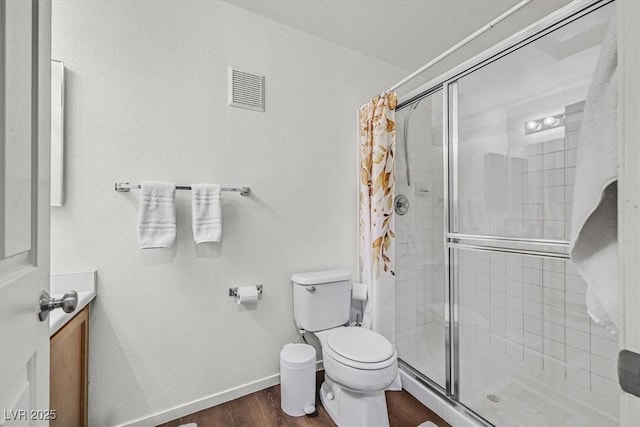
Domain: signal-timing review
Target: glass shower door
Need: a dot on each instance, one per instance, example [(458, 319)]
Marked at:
[(526, 352), (420, 284)]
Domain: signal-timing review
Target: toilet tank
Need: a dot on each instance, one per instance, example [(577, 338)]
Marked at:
[(321, 299)]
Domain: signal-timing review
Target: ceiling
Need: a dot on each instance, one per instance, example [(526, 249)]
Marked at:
[(407, 33)]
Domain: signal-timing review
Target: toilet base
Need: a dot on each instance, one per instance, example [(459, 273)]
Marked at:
[(353, 409)]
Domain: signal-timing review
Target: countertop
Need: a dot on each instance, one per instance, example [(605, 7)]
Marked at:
[(84, 283)]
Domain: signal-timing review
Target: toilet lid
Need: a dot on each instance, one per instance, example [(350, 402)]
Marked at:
[(360, 345)]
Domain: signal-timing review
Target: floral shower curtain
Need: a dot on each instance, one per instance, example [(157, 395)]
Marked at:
[(377, 182)]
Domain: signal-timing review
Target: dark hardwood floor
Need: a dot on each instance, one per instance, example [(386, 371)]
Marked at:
[(262, 409)]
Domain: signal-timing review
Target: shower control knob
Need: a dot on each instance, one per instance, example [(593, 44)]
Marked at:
[(401, 204), (68, 303)]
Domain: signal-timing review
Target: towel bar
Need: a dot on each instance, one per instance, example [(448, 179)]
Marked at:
[(124, 187)]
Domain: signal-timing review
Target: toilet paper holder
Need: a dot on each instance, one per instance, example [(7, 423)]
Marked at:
[(233, 292)]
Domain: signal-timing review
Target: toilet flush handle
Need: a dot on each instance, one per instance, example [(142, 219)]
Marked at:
[(311, 289)]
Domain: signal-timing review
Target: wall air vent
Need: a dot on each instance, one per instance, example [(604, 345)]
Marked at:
[(246, 90)]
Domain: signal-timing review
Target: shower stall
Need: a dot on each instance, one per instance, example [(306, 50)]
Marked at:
[(490, 311)]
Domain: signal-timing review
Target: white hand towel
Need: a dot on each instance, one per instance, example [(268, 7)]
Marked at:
[(157, 218), (594, 228), (206, 213)]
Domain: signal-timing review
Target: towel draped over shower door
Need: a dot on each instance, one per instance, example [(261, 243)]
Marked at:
[(377, 181), (594, 220)]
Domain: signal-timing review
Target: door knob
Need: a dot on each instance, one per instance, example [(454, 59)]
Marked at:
[(68, 303)]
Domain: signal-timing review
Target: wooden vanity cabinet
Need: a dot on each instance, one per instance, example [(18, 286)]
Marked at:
[(68, 375)]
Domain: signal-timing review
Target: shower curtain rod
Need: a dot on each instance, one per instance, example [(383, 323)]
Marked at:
[(458, 45)]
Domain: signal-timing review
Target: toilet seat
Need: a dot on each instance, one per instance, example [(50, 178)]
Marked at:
[(356, 375), (359, 348)]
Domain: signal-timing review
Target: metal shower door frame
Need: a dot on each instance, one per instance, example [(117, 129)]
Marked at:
[(453, 239)]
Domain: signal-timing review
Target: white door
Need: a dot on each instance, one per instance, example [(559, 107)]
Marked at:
[(25, 58)]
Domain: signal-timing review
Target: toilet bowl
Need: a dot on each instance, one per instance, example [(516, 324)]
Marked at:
[(359, 363)]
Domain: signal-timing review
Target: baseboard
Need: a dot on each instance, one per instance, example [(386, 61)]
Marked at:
[(207, 401)]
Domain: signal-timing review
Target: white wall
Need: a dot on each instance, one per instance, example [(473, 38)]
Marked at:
[(146, 99)]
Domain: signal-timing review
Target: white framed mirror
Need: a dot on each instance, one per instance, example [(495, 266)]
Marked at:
[(57, 133)]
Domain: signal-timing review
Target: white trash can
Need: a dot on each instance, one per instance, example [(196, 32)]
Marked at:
[(298, 379)]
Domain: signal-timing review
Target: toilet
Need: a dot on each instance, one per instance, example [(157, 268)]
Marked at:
[(359, 363)]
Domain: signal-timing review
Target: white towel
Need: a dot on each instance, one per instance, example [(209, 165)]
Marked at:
[(206, 213), (594, 227), (157, 217)]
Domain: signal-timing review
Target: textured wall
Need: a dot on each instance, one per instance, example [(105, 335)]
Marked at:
[(146, 99)]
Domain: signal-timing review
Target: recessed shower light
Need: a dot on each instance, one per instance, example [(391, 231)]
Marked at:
[(533, 125), (542, 124)]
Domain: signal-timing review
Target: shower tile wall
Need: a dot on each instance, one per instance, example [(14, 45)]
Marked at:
[(419, 234), (532, 309), (419, 270), (531, 195)]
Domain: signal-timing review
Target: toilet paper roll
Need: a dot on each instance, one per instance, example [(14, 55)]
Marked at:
[(359, 292), (247, 294)]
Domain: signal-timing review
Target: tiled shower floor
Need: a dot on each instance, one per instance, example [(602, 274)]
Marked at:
[(524, 397)]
